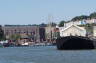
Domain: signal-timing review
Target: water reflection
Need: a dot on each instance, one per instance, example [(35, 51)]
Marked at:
[(44, 54)]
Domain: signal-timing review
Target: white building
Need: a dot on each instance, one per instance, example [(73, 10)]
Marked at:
[(90, 21), (80, 22), (75, 23), (94, 31), (73, 30)]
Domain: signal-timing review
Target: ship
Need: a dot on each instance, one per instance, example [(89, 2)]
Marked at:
[(74, 43)]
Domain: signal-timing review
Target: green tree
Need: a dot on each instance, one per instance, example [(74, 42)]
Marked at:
[(42, 25), (15, 37), (80, 17), (2, 37), (93, 15), (56, 35), (53, 24), (61, 23)]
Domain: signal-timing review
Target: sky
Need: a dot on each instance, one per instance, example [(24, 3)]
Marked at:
[(23, 12)]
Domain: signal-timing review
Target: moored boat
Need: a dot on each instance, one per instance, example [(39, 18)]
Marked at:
[(74, 43)]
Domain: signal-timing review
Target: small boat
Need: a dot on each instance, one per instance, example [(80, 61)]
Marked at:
[(25, 44)]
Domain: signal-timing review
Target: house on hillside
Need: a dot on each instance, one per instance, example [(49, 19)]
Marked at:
[(90, 21), (80, 22), (73, 30)]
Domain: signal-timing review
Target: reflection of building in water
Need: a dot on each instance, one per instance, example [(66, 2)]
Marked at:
[(27, 32)]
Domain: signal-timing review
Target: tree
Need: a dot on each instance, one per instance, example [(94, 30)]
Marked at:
[(42, 25), (15, 37), (53, 24), (2, 37), (93, 15), (61, 24), (80, 17), (56, 35)]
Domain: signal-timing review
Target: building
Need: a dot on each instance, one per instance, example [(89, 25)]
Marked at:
[(80, 22), (73, 30), (28, 33), (42, 34), (90, 21), (49, 33), (94, 31)]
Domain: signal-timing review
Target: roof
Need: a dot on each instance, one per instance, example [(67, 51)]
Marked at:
[(74, 26)]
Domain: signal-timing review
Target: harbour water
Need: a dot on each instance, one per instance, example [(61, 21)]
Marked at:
[(45, 54)]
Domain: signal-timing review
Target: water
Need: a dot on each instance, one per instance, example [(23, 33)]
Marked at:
[(42, 54)]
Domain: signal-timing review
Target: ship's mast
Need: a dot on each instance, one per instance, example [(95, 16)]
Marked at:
[(50, 19)]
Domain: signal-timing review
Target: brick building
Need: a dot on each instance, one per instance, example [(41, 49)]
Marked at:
[(28, 33)]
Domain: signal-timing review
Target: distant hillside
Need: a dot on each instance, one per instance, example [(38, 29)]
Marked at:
[(91, 16)]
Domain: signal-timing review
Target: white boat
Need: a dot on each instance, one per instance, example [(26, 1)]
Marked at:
[(25, 44)]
